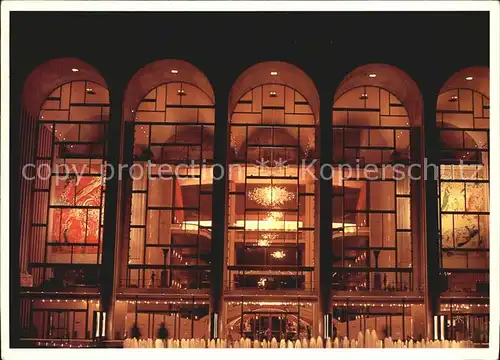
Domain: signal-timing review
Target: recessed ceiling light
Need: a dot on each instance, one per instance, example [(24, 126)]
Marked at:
[(274, 73), (469, 78), (75, 70), (174, 71), (372, 75)]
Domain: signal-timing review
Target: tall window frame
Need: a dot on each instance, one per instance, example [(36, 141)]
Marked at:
[(69, 187), (462, 121), (371, 126), (163, 123), (270, 123)]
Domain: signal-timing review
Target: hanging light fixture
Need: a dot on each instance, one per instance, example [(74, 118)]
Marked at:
[(278, 254), (274, 216), (271, 195), (265, 239)]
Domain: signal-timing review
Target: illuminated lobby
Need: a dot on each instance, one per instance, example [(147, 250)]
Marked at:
[(270, 202)]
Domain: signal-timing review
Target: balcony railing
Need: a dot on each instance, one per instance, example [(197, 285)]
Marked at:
[(465, 280), (366, 279), (270, 277), (55, 276), (167, 277)]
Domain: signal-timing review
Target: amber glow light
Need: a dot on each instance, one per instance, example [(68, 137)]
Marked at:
[(271, 195), (279, 254), (266, 239), (272, 222)]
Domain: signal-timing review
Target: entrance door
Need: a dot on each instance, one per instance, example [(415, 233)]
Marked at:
[(266, 325), (58, 325)]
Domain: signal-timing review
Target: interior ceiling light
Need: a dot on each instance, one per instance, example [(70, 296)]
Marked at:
[(266, 239), (453, 98), (469, 78), (274, 73), (372, 75), (364, 96), (263, 243), (90, 91), (174, 71), (274, 215), (271, 195), (273, 93), (181, 92), (279, 254), (75, 70)]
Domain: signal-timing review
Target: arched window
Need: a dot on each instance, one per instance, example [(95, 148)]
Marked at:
[(464, 199), (463, 124), (68, 192), (169, 120), (271, 209), (271, 201), (372, 213), (171, 210), (375, 224)]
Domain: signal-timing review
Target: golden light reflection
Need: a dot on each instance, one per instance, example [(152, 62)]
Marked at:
[(278, 254), (271, 195), (265, 225)]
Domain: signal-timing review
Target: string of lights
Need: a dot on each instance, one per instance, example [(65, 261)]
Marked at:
[(130, 302)]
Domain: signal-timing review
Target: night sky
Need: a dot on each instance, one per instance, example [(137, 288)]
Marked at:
[(424, 44)]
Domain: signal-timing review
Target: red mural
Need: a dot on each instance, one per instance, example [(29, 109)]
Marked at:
[(76, 224)]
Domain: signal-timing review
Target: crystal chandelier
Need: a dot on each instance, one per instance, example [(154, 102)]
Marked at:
[(274, 216), (271, 195), (266, 239), (279, 254)]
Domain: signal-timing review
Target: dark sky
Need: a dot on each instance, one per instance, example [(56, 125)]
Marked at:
[(315, 41)]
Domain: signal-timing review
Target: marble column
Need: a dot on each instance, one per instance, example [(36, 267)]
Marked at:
[(219, 209), (324, 214), (113, 228), (432, 240)]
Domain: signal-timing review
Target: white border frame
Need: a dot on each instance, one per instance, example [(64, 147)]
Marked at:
[(491, 6)]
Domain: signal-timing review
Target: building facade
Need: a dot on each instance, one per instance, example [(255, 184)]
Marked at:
[(303, 195)]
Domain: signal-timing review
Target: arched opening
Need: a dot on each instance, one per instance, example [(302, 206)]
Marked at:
[(463, 126), (169, 114), (66, 105), (273, 115), (376, 118), (267, 320)]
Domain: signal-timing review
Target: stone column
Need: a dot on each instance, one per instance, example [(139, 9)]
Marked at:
[(432, 239), (324, 210), (20, 191), (219, 209), (113, 229)]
